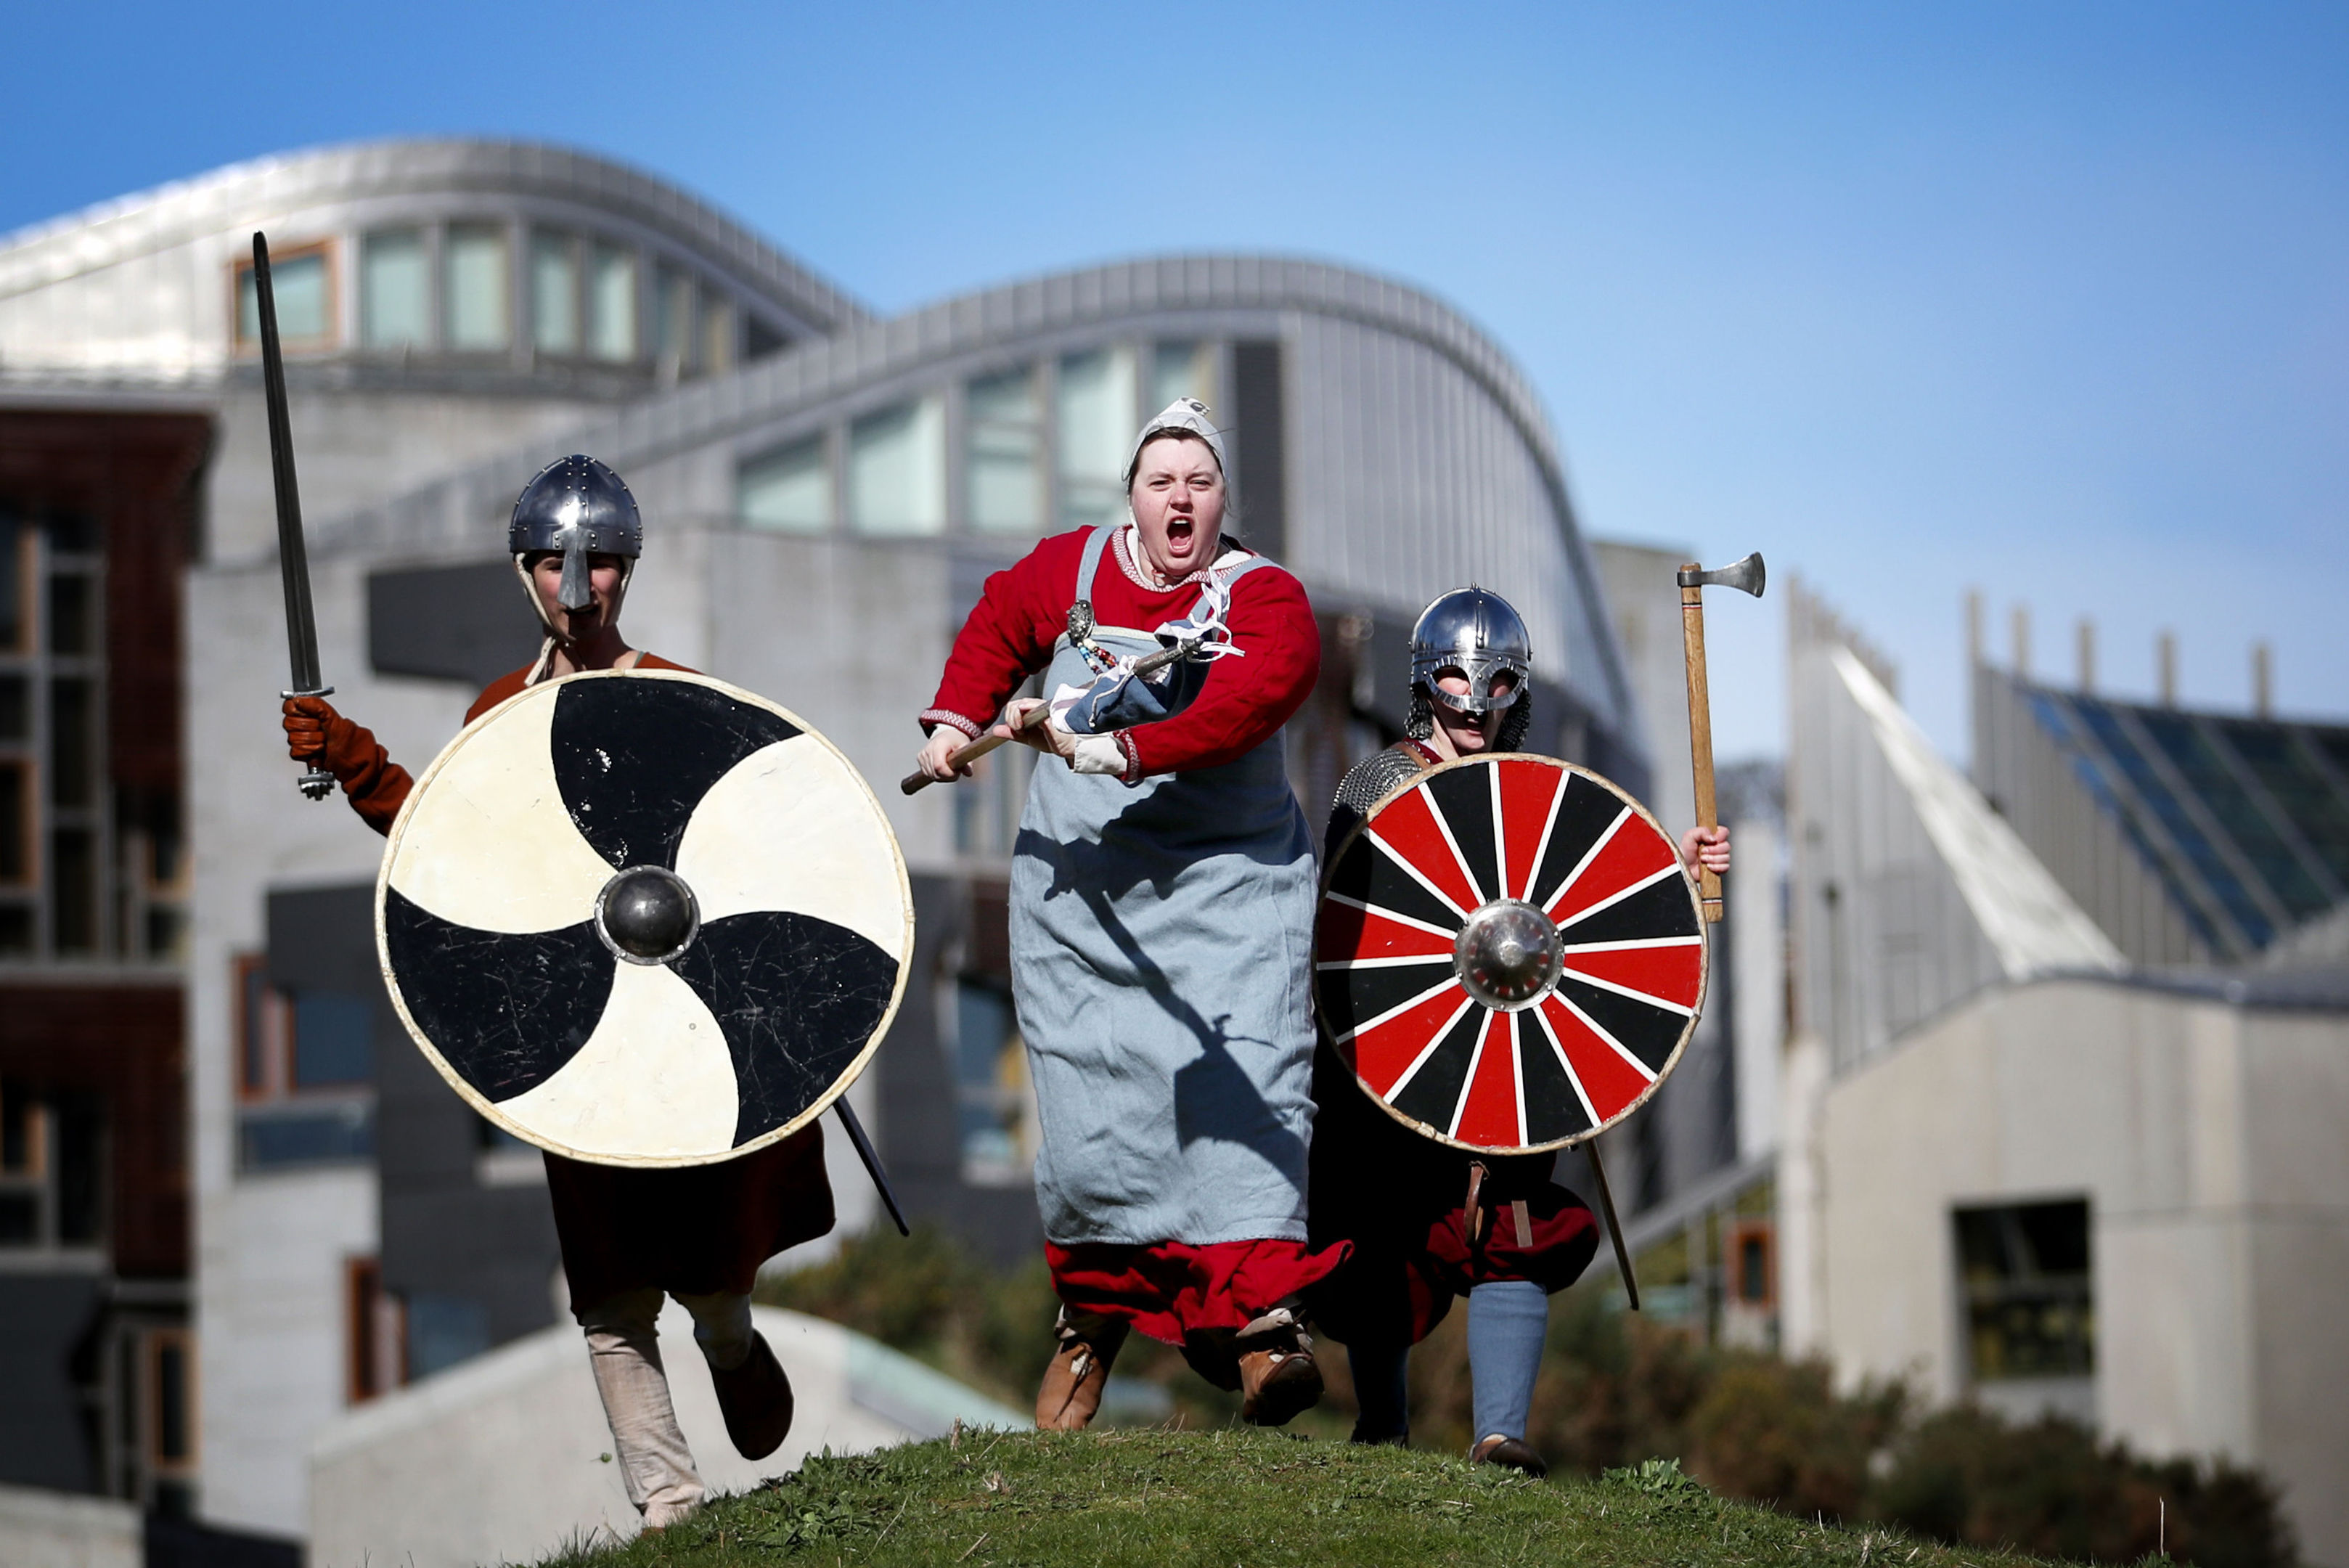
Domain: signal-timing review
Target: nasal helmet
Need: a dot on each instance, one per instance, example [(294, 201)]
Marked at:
[(577, 507), (1475, 631)]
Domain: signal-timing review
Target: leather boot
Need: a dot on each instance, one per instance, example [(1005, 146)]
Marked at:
[(1278, 1377), (756, 1400), (1072, 1394), (1499, 1449)]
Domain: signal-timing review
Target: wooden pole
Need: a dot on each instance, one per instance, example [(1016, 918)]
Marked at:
[(1700, 729)]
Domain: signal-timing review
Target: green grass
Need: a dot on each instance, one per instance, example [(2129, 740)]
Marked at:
[(1235, 1497)]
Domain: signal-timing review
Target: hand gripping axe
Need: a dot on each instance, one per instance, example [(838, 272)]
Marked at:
[(1746, 576)]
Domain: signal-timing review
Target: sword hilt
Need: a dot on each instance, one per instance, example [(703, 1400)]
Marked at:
[(315, 784)]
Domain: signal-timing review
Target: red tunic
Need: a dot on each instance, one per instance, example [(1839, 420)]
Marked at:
[(693, 1232), (1243, 702), (1183, 1294)]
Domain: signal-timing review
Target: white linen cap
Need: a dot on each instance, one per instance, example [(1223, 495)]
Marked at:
[(1189, 416)]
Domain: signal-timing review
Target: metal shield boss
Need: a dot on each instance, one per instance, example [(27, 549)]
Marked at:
[(644, 918), (1508, 954)]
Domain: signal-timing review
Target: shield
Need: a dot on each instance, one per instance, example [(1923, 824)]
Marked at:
[(1508, 954), (644, 918)]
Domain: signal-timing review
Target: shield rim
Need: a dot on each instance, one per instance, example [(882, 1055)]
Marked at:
[(487, 1107), (1696, 906)]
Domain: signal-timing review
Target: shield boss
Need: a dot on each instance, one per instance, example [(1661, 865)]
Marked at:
[(644, 918), (1508, 954)]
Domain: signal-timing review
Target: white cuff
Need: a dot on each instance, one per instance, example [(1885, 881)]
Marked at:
[(1098, 754)]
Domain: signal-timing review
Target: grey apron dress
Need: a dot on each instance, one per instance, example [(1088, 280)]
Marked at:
[(1162, 939)]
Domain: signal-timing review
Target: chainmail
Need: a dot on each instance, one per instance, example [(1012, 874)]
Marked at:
[(1364, 786), (1518, 717)]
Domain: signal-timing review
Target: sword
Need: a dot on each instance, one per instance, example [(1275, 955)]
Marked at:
[(872, 1158), (1614, 1226), (293, 559)]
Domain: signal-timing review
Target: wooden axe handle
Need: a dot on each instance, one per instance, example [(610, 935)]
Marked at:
[(917, 782), (1700, 696)]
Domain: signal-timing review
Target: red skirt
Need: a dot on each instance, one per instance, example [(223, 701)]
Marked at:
[(1175, 1292)]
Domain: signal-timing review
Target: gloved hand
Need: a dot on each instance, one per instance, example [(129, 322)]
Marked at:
[(316, 732)]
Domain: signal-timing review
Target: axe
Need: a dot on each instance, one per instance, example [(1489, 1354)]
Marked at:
[(1746, 576), (915, 783)]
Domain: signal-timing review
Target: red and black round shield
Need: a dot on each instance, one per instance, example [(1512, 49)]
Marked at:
[(1509, 956), (644, 918)]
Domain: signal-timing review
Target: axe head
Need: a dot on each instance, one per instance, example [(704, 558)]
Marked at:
[(1747, 577)]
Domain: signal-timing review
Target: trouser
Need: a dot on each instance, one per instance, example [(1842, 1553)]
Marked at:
[(624, 1348), (1507, 1320)]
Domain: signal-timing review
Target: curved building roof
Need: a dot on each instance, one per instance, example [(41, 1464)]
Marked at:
[(1417, 455), (136, 285)]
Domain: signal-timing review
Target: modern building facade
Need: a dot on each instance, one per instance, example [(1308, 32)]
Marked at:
[(825, 491), (2040, 1151)]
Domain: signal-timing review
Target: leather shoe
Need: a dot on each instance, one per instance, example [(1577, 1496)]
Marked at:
[(1072, 1394), (756, 1399), (1510, 1452)]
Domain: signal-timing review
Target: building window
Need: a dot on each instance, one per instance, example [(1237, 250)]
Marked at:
[(1097, 425), (788, 490), (2026, 1289), (716, 335), (375, 1333), (304, 1070), (673, 325), (474, 258), (612, 303), (995, 1106), (554, 294), (896, 471), (395, 290), (52, 1168), (1753, 1264), (303, 286), (1003, 424), (1181, 368)]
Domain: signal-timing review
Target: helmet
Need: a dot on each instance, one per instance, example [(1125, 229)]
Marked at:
[(1475, 631), (576, 505)]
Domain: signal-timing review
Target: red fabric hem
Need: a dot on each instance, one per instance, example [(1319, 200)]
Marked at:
[(1173, 1290), (930, 718)]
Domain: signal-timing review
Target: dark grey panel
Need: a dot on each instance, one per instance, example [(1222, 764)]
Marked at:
[(918, 1137), (323, 938), (465, 623), (45, 1440), (1260, 439)]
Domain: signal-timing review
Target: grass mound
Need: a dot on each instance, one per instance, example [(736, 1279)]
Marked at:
[(1235, 1496)]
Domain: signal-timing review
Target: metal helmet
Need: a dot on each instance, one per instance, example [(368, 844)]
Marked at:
[(576, 505), (1475, 631)]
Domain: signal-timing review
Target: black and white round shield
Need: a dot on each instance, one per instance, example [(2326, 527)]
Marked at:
[(644, 918)]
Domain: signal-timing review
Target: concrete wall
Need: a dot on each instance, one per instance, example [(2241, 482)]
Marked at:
[(2207, 1140), (59, 1530), (507, 1458)]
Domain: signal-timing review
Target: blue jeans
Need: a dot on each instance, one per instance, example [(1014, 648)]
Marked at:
[(1507, 1321)]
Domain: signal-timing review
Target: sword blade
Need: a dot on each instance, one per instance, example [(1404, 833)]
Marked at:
[(293, 559), (1614, 1226), (872, 1158)]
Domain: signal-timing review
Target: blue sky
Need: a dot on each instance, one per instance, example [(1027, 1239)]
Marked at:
[(2052, 300)]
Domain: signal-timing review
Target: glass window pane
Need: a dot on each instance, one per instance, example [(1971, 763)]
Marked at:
[(15, 543), (72, 602), (16, 708), (73, 892), (299, 285), (477, 289), (786, 490), (612, 303), (16, 824), (554, 294), (674, 325), (1004, 431), (1181, 368), (896, 471), (73, 726), (395, 291), (333, 1039), (716, 335), (1097, 425)]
